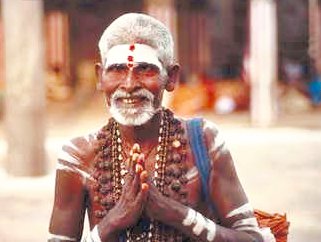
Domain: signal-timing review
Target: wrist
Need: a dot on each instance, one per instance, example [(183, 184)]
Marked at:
[(108, 231), (175, 213), (198, 224)]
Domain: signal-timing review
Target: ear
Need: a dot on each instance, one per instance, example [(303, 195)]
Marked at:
[(99, 72), (173, 76)]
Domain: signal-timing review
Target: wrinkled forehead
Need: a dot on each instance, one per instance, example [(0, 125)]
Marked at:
[(132, 53)]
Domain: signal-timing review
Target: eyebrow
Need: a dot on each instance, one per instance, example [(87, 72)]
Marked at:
[(125, 65), (147, 63), (115, 65)]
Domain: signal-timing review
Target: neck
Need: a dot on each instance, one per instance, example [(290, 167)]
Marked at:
[(144, 135)]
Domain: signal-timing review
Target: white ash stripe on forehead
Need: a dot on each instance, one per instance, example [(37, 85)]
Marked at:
[(143, 53), (55, 237), (242, 209)]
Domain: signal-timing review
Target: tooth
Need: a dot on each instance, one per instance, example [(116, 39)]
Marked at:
[(128, 100)]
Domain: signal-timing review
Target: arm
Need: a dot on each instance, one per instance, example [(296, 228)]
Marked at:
[(225, 190), (235, 213), (130, 205), (68, 212), (67, 217), (192, 223)]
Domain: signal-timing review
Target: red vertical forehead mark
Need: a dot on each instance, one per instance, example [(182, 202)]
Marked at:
[(130, 58), (132, 47)]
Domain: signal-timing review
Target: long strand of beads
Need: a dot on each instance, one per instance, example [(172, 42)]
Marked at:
[(156, 231)]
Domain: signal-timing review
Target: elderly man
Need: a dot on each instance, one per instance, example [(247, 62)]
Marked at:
[(137, 176)]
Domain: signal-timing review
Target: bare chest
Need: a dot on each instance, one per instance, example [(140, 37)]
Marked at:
[(179, 178)]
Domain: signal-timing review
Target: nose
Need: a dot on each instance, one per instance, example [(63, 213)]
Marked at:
[(130, 83)]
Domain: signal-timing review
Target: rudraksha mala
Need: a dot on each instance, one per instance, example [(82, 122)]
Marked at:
[(168, 175)]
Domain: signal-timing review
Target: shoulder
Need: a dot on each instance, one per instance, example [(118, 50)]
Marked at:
[(77, 154), (217, 150), (213, 136), (210, 132)]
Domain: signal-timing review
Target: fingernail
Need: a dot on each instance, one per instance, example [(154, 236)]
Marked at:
[(135, 157), (141, 159), (144, 186), (143, 176), (138, 168), (136, 148)]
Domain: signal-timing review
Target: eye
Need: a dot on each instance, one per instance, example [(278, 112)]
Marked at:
[(117, 68), (146, 69)]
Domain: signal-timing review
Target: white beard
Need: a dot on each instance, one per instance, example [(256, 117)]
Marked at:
[(130, 116)]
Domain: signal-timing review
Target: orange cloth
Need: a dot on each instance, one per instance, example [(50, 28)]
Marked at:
[(189, 99), (276, 222)]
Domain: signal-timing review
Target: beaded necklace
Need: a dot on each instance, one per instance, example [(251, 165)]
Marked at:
[(168, 175)]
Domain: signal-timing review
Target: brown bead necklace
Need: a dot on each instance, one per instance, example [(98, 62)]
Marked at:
[(169, 174)]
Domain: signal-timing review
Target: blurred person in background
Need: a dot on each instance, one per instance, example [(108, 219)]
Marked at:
[(138, 177)]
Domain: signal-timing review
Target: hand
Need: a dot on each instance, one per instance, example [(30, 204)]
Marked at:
[(130, 205), (160, 207)]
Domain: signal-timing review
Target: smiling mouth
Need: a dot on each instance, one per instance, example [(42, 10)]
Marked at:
[(135, 100)]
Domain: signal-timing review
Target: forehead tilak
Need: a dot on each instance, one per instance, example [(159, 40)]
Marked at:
[(130, 58), (130, 54)]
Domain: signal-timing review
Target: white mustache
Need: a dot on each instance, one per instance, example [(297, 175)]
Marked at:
[(141, 93)]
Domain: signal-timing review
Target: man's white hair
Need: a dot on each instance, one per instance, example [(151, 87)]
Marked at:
[(139, 28)]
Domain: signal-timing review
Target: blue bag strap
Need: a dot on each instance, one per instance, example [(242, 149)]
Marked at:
[(202, 160)]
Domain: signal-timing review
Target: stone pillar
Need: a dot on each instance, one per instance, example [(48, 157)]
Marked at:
[(1, 64), (25, 90), (315, 34), (263, 61), (57, 55)]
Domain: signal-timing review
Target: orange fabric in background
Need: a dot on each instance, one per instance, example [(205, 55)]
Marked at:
[(189, 98), (276, 222)]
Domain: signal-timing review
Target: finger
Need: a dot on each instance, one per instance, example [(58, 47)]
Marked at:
[(144, 187), (141, 160), (142, 194), (144, 176), (151, 181), (128, 180), (135, 157), (136, 148), (136, 183), (139, 169), (132, 160), (152, 187), (131, 186)]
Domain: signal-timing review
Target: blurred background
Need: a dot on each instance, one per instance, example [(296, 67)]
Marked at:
[(251, 66)]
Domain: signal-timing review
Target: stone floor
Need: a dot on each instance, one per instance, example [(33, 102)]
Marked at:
[(279, 167)]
